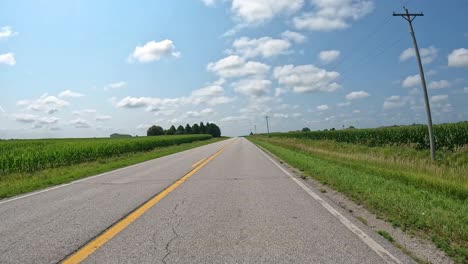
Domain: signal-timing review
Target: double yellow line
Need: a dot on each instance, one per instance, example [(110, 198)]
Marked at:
[(88, 249)]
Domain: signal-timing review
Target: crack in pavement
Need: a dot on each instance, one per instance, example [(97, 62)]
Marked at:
[(176, 235)]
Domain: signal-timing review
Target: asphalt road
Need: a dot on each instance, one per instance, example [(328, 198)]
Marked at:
[(237, 206)]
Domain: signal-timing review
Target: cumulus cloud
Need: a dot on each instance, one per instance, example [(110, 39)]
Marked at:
[(427, 54), (279, 91), (265, 47), (306, 78), (260, 11), (8, 59), (411, 81), (46, 103), (394, 102), (6, 32), (328, 56), (209, 2), (153, 51), (210, 95), (322, 107), (80, 123), (69, 94), (439, 84), (203, 113), (458, 58), (357, 95), (47, 120), (116, 85), (25, 118), (235, 66), (293, 36), (332, 15), (252, 87)]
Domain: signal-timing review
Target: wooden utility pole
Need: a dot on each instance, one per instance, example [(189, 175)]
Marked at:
[(410, 17), (268, 128)]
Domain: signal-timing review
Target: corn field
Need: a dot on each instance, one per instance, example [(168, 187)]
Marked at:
[(27, 156), (447, 136)]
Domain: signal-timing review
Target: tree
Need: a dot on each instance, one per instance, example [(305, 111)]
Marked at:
[(155, 131), (188, 129), (251, 134), (305, 129), (195, 129), (171, 131), (332, 129), (180, 130), (202, 128), (213, 130)]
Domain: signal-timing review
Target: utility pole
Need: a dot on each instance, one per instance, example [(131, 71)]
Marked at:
[(255, 129), (268, 128), (410, 17)]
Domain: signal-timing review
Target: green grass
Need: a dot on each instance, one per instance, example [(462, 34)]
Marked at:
[(386, 235), (18, 183), (396, 188)]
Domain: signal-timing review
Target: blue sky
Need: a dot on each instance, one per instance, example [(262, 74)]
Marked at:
[(90, 68)]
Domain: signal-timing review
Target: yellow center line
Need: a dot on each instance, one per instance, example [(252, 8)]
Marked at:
[(88, 249), (198, 162)]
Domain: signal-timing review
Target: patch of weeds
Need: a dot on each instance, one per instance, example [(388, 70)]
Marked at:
[(386, 235), (322, 190)]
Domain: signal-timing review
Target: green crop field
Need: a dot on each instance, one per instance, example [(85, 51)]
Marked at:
[(447, 136), (28, 156)]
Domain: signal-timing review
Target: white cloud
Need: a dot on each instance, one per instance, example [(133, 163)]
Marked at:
[(439, 98), (69, 94), (252, 87), (328, 56), (427, 54), (293, 36), (322, 107), (331, 15), (47, 120), (357, 95), (260, 11), (8, 59), (103, 117), (6, 32), (46, 103), (411, 81), (235, 66), (439, 84), (85, 111), (153, 51), (116, 85), (79, 123), (458, 58), (2, 111), (306, 78), (25, 118), (394, 102), (234, 118), (266, 47), (209, 2), (143, 126), (210, 95), (203, 113)]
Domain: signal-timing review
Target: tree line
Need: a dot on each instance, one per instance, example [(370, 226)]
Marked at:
[(209, 128)]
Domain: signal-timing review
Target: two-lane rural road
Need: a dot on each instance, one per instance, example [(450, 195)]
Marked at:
[(234, 204)]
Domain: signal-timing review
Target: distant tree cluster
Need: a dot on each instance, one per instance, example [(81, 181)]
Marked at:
[(209, 128)]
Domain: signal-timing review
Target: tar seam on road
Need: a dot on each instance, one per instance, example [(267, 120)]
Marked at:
[(89, 248), (371, 243)]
